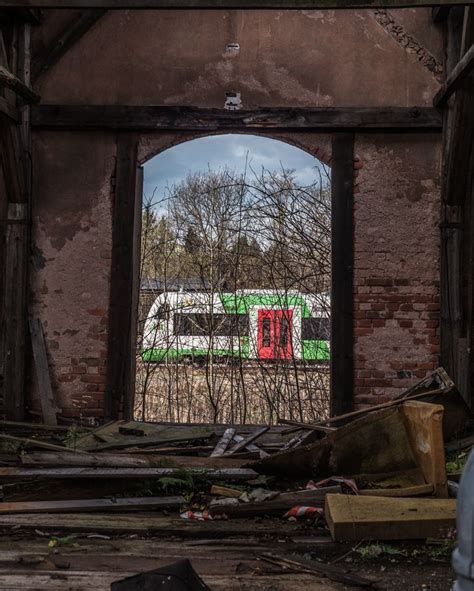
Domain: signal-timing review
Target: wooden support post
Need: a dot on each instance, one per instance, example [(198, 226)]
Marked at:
[(342, 330), (119, 361)]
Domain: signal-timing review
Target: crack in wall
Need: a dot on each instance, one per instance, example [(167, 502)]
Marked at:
[(409, 43)]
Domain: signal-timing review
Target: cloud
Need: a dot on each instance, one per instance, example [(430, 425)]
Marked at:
[(232, 151)]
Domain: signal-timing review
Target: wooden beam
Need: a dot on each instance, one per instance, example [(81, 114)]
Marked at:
[(86, 505), (66, 39), (342, 248), (454, 81), (9, 80), (185, 119), (119, 361), (67, 473), (48, 405), (225, 4)]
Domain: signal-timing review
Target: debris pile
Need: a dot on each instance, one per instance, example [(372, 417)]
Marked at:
[(378, 473)]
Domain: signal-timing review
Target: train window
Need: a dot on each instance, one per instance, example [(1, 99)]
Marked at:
[(266, 336), (284, 332), (315, 329), (215, 324), (163, 312)]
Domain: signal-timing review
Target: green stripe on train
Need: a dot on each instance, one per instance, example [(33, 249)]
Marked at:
[(241, 303), (312, 351)]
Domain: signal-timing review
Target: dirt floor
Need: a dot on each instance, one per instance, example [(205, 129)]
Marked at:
[(79, 552)]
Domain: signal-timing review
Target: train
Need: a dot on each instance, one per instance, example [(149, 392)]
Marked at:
[(266, 325)]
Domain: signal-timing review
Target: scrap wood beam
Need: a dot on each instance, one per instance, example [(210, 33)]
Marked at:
[(185, 119), (67, 38), (225, 4), (455, 80), (10, 81)]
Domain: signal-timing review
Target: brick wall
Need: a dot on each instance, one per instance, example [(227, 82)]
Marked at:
[(396, 266)]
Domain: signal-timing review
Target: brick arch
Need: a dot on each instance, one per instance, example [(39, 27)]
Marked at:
[(317, 145)]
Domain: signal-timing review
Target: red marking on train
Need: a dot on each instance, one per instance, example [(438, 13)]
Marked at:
[(275, 329)]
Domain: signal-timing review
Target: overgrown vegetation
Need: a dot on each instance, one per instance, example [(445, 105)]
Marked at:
[(223, 231)]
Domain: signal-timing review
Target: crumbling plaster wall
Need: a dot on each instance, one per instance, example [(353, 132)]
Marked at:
[(286, 58)]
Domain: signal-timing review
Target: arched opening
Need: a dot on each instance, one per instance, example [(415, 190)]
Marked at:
[(235, 280)]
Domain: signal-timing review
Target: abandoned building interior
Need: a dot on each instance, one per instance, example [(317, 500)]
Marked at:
[(381, 94)]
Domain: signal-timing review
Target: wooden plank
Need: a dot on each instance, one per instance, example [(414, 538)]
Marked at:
[(364, 518), (251, 447), (87, 472), (66, 39), (342, 261), (24, 442), (184, 119), (88, 505), (406, 491), (10, 81), (127, 461), (246, 441), (119, 365), (225, 4), (455, 79), (314, 427), (223, 443), (48, 405), (150, 524), (318, 568), (277, 506)]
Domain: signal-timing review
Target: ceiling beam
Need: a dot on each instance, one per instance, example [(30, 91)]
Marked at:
[(66, 39), (226, 4), (152, 118)]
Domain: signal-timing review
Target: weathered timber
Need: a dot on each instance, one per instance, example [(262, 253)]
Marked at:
[(120, 365), (48, 405), (246, 440), (456, 78), (149, 524), (87, 505), (331, 571), (225, 4), (314, 427), (126, 461), (24, 442), (364, 411), (223, 443), (342, 264), (9, 80), (144, 442), (406, 491), (184, 119), (363, 518), (251, 447), (66, 473), (66, 39), (277, 506)]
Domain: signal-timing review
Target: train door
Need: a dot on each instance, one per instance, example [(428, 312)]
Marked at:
[(275, 334)]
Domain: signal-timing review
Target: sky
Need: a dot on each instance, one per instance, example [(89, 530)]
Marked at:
[(232, 151)]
